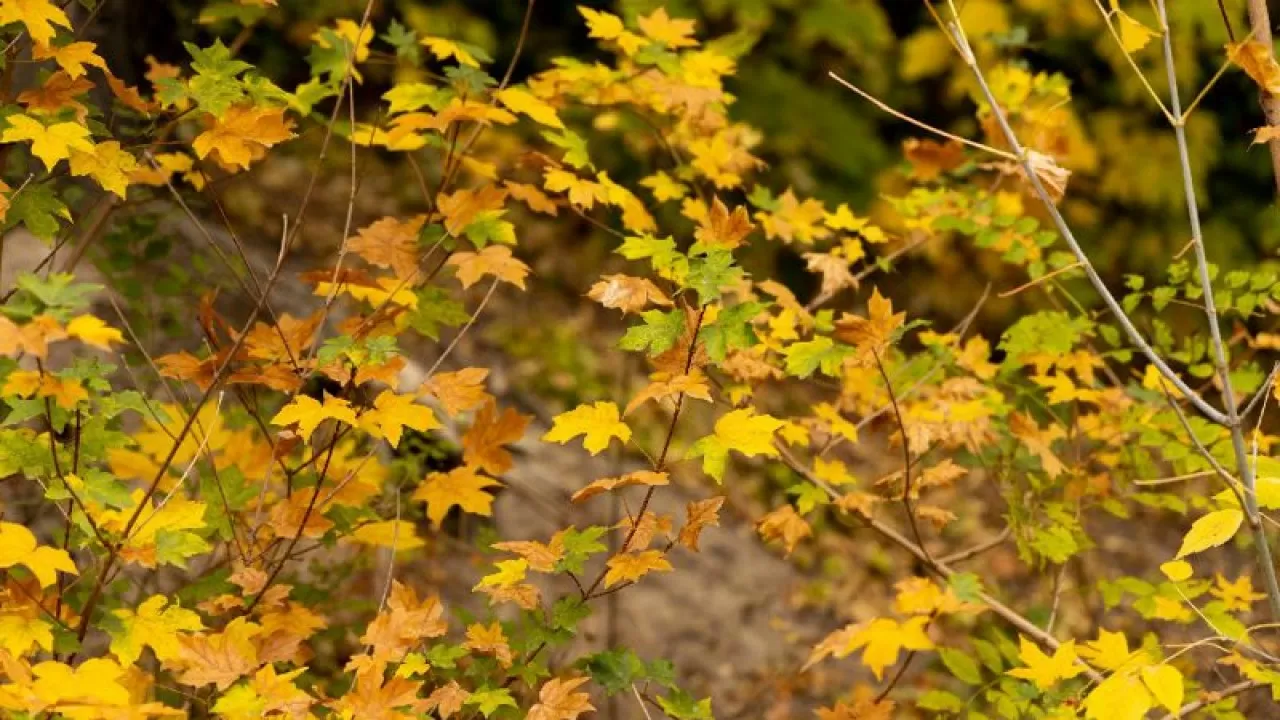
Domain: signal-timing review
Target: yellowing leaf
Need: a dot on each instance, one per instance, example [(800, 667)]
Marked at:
[(443, 49), (639, 477), (19, 634), (784, 524), (523, 101), (1259, 62), (396, 534), (602, 25), (558, 701), (495, 260), (308, 413), (153, 624), (1043, 670), (628, 294), (107, 164), (661, 28), (883, 638), (392, 413), (50, 144), (457, 391), (72, 57), (510, 573), (741, 430), (1176, 570), (18, 547), (1110, 651), (1120, 697), (1210, 530), (93, 331), (632, 566), (39, 17), (1133, 35), (1165, 683), (243, 133), (1237, 596), (598, 423), (461, 486)]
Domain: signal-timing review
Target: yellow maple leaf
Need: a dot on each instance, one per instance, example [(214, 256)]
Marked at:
[(18, 634), (396, 534), (49, 143), (18, 546), (39, 17), (392, 413), (444, 48), (632, 566), (1238, 596), (602, 25), (350, 32), (107, 164), (242, 134), (308, 413), (96, 681), (582, 192), (1044, 670), (509, 574), (495, 260), (1133, 35), (661, 28), (598, 423), (152, 624), (220, 658), (72, 57), (93, 331), (741, 430), (1122, 696), (1165, 684), (522, 101), (1110, 651), (462, 486), (883, 638)]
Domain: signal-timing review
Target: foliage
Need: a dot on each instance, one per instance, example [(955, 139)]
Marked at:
[(173, 545)]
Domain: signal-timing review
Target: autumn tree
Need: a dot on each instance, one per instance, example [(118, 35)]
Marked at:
[(182, 521)]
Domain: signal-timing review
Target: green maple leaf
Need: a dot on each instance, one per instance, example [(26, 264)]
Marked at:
[(731, 330), (803, 358), (215, 85), (659, 333), (578, 546), (38, 207), (574, 146), (488, 700), (680, 705), (708, 275), (405, 41), (436, 308)]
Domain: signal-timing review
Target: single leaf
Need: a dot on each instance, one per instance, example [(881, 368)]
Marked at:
[(1210, 530), (597, 423)]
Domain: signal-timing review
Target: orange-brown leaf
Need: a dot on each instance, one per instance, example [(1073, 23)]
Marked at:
[(699, 514), (390, 243), (482, 445)]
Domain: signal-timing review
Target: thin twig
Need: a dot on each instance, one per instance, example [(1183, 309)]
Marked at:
[(1135, 336)]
